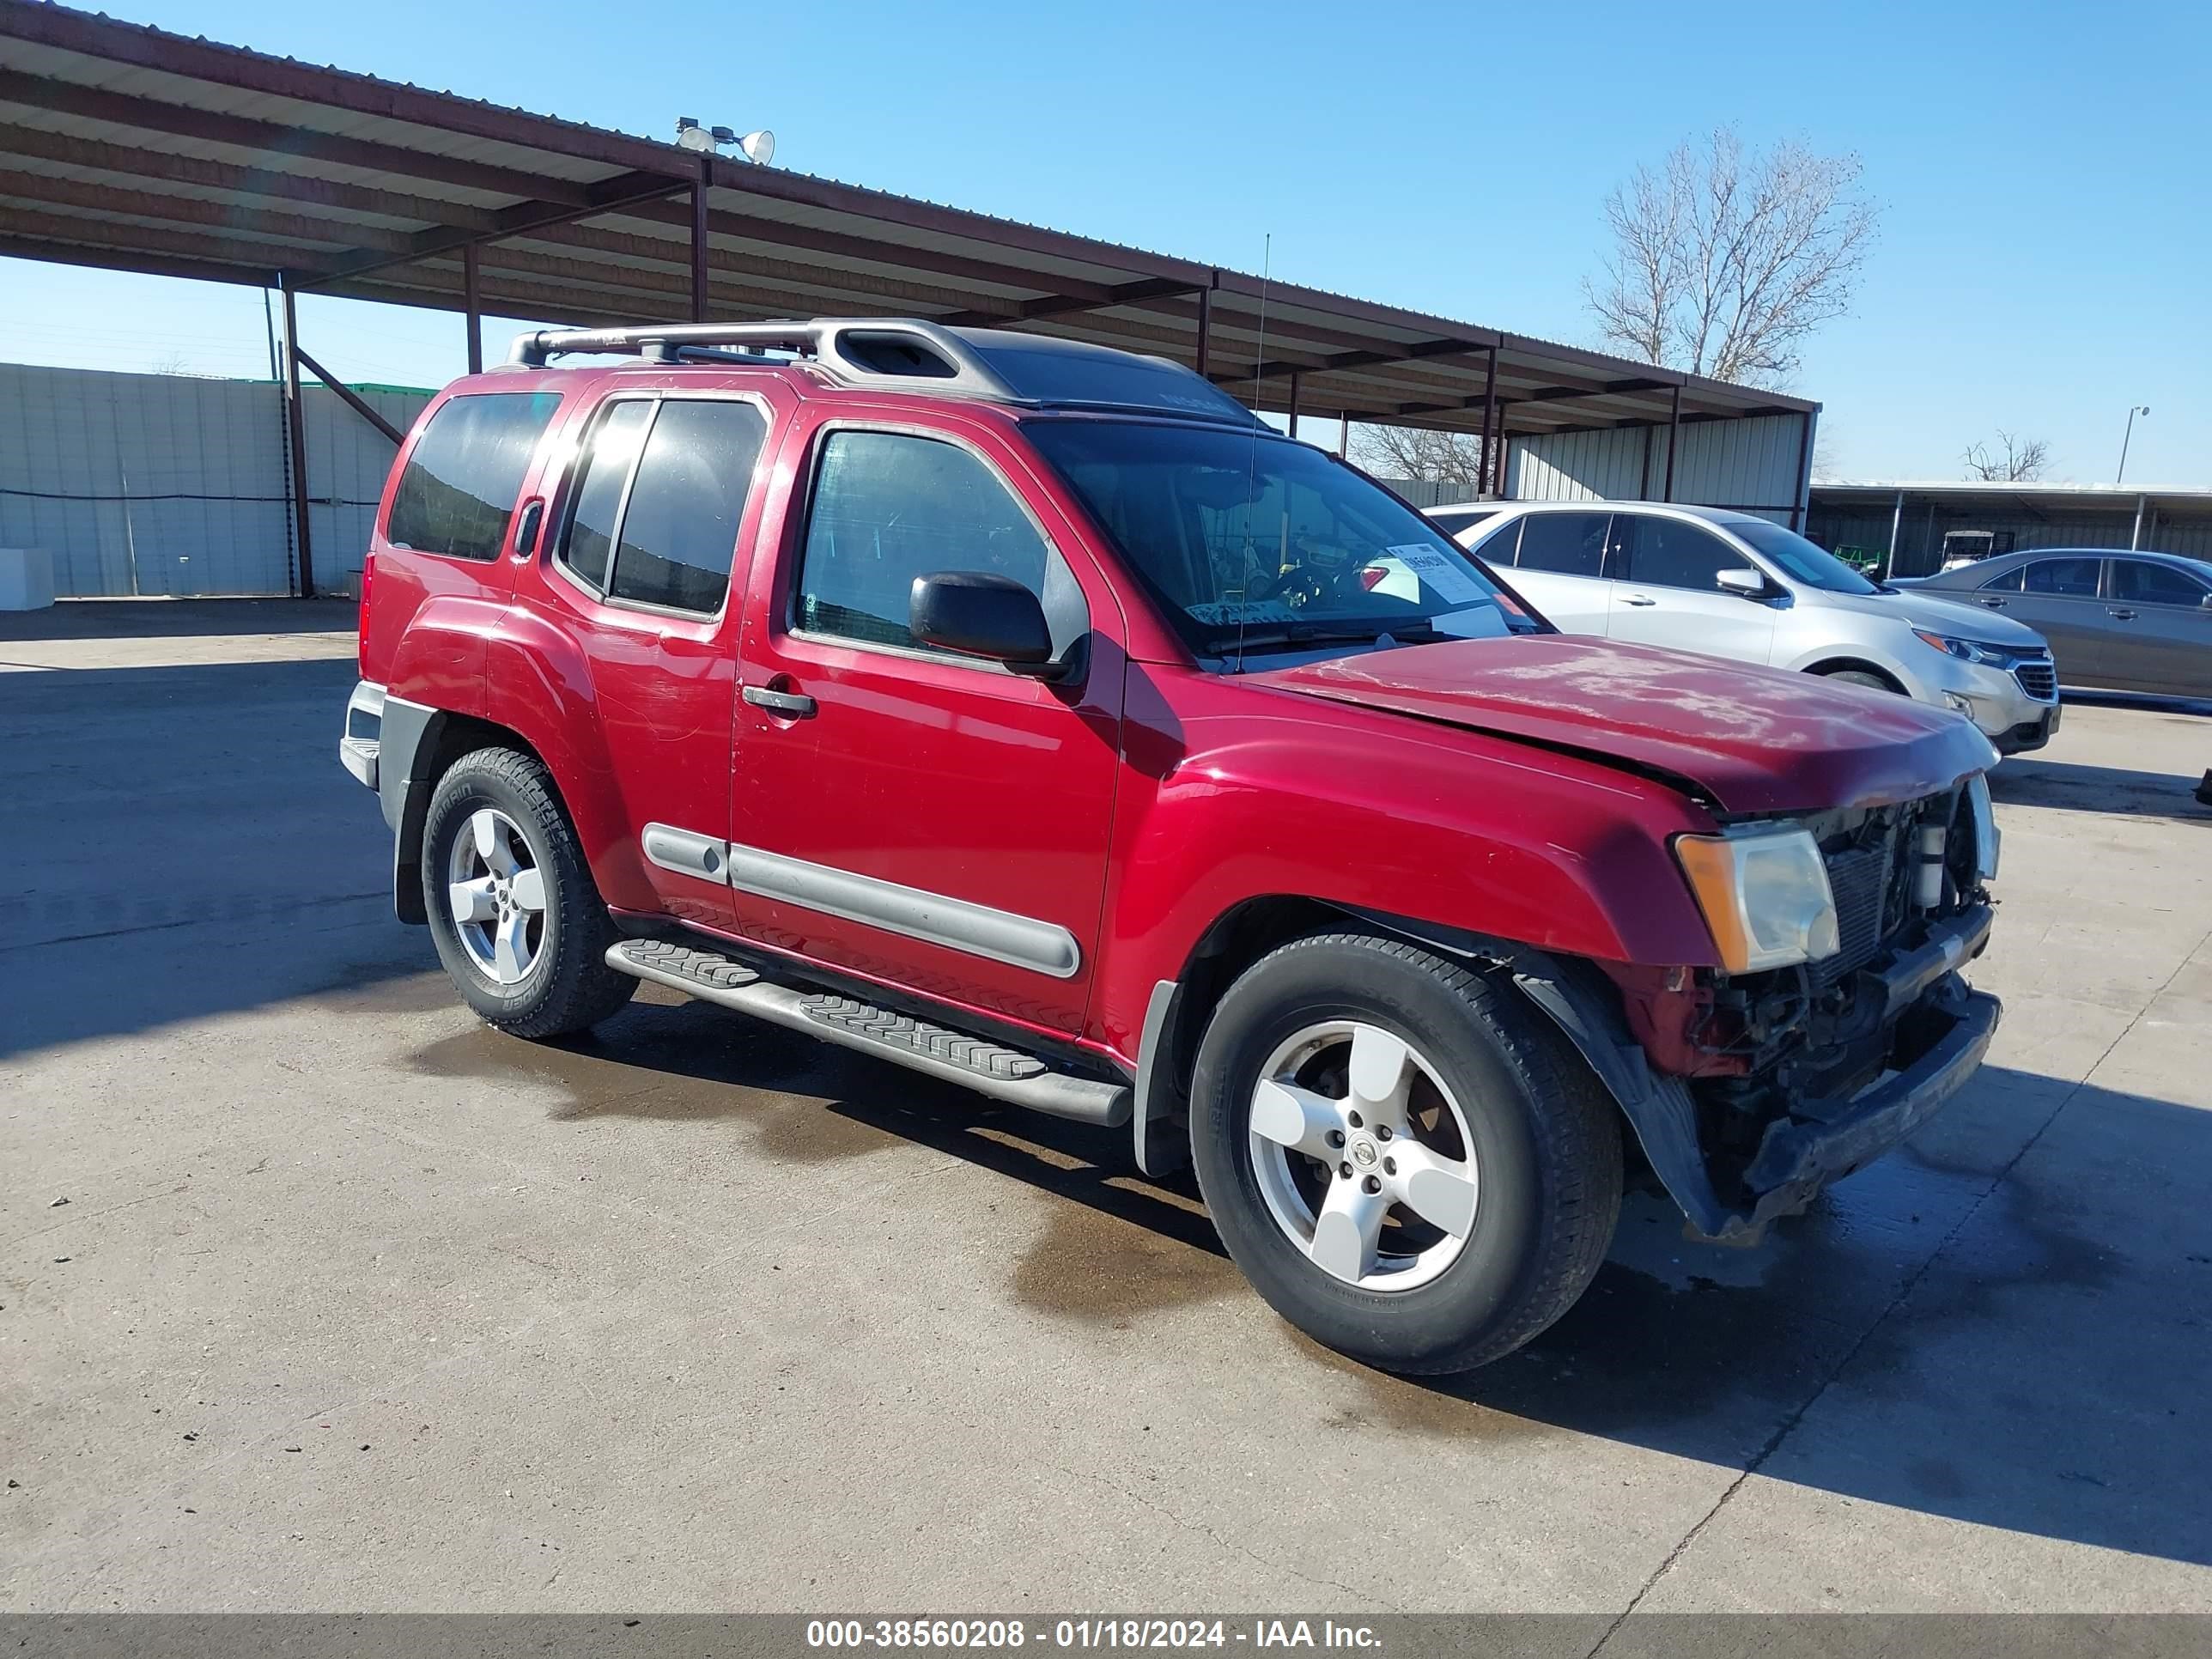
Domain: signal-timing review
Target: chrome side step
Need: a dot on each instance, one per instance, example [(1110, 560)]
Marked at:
[(990, 1068)]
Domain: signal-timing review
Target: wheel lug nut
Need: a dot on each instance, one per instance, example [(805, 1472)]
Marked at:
[(1354, 1117), (1345, 1169), (1389, 1166), (1382, 1131), (1371, 1184), (1336, 1137)]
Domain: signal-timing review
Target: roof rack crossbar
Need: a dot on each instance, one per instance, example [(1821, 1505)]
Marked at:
[(855, 349)]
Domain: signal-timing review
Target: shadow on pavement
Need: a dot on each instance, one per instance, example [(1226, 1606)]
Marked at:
[(2029, 781), (159, 619)]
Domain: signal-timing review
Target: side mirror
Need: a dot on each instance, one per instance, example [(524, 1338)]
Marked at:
[(982, 615), (1744, 584), (2206, 601)]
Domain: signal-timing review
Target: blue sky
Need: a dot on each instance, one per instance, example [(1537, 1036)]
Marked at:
[(2045, 259)]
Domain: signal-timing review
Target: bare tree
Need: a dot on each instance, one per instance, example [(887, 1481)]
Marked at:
[(2023, 460), (1409, 451), (1724, 261)]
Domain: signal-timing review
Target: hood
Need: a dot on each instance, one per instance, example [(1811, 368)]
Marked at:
[(1918, 608), (1755, 739)]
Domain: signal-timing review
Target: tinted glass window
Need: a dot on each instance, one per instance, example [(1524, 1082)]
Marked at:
[(2074, 577), (2145, 583), (461, 479), (589, 537), (1669, 553), (1246, 541), (681, 525), (1571, 543), (1461, 520), (2007, 583), (889, 507), (1800, 559)]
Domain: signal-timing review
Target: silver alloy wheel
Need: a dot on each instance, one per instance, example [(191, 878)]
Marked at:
[(497, 897), (1364, 1157)]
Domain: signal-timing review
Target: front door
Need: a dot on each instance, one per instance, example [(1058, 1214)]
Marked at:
[(909, 815), (2058, 598), (1668, 591)]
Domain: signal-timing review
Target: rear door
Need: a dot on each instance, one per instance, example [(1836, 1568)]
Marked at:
[(1558, 562), (2158, 633), (911, 816), (2058, 598), (1668, 591), (658, 506)]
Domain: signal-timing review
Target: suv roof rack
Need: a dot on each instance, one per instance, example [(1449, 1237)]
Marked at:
[(906, 355)]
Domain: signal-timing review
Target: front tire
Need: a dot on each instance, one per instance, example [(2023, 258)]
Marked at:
[(1408, 1163), (1867, 677), (518, 920)]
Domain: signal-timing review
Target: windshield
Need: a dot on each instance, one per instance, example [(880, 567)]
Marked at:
[(1245, 537), (1804, 560)]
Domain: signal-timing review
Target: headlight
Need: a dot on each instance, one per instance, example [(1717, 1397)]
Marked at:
[(1765, 893), (1989, 656), (1986, 839)]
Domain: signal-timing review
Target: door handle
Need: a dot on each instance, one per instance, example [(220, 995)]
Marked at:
[(792, 705), (1994, 604), (2124, 616), (1638, 599)]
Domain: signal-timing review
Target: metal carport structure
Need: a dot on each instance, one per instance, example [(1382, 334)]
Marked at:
[(137, 149)]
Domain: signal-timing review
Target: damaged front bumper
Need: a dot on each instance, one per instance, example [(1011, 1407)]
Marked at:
[(1938, 1030)]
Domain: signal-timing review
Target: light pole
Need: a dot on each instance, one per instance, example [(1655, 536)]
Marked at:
[(2134, 410)]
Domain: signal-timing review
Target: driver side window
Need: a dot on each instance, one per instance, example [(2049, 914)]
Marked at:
[(1669, 553), (889, 507)]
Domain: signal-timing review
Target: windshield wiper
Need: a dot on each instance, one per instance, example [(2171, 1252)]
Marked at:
[(1226, 642)]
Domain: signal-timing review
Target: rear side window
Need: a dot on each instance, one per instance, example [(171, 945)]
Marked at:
[(2007, 583), (2074, 577), (1458, 520), (459, 487), (657, 503), (1569, 543), (2142, 582), (1668, 553), (889, 507)]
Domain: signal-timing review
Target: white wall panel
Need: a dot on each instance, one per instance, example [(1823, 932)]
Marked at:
[(1752, 465)]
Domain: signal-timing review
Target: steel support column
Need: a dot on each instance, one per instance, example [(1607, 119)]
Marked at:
[(2135, 536), (1343, 434), (1205, 331), (1673, 432), (1291, 429), (297, 436), (1643, 478), (1896, 521), (472, 305), (1488, 467), (699, 245), (1804, 471)]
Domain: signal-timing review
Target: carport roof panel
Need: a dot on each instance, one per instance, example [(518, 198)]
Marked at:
[(131, 147)]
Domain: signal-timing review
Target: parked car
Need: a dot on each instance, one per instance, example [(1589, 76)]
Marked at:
[(1022, 713), (1734, 585), (2117, 621)]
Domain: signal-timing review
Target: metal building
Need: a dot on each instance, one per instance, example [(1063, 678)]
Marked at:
[(1906, 527)]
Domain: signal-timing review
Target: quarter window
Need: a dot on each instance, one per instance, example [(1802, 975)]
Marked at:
[(458, 488), (890, 507), (2072, 578), (1669, 553), (1571, 544), (2140, 582), (2007, 583)]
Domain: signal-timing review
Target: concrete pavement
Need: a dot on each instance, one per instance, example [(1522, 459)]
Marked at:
[(354, 1303)]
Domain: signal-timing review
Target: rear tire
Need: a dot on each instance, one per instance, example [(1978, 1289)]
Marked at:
[(518, 920), (1491, 1097)]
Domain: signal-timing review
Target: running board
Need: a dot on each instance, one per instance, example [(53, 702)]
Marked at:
[(990, 1068)]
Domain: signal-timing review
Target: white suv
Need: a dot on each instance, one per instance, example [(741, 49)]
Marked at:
[(1732, 584)]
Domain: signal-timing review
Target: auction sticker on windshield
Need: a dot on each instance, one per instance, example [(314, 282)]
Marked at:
[(1439, 570)]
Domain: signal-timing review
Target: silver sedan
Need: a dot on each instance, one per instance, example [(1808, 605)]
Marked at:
[(2116, 621)]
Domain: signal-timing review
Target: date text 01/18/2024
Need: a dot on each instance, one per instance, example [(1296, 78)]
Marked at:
[(1085, 1634)]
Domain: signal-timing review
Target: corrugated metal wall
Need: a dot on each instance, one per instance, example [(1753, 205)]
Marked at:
[(1750, 464), (1920, 531), (175, 484)]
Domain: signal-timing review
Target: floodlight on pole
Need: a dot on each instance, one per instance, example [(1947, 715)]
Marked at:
[(757, 147)]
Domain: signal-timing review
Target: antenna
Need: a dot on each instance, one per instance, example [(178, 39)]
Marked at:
[(1252, 455)]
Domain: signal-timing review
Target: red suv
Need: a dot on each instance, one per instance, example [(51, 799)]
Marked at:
[(1029, 714)]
